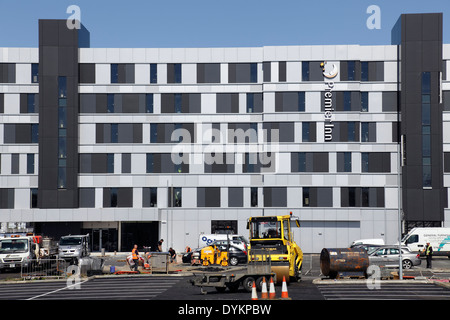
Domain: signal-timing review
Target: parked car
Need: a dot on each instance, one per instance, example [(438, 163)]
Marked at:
[(235, 255), (388, 256), (241, 244), (368, 247)]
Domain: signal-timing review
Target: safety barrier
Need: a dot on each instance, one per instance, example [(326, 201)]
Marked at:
[(45, 268)]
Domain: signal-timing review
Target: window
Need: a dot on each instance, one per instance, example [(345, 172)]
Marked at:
[(32, 103), (275, 196), (375, 162), (150, 163), (86, 73), (368, 132), (30, 163), (242, 73), (149, 197), (364, 71), (175, 197), (208, 197), (317, 197), (114, 132), (235, 197), (308, 131), (351, 71), (153, 73), (364, 101), (227, 103), (426, 129), (362, 197), (149, 103), (6, 198), (344, 162), (282, 71), (122, 73), (174, 73), (290, 101), (34, 197), (86, 197), (62, 136), (309, 162), (224, 226), (267, 71), (305, 196), (117, 197), (180, 103), (7, 72), (254, 102), (208, 73), (110, 102), (126, 162), (110, 162), (34, 73), (351, 136), (114, 73), (15, 158), (305, 70), (253, 196)]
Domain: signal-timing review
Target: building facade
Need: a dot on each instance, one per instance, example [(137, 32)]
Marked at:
[(132, 145)]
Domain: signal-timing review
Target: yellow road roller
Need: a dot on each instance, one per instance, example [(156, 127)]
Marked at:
[(272, 236), (213, 255)]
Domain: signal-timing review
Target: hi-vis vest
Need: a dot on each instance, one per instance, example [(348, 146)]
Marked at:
[(428, 251), (134, 255)]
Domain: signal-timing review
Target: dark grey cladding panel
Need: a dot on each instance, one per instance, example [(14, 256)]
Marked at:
[(419, 37), (58, 56)]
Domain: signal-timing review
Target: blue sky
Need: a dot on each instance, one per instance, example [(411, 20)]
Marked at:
[(214, 23)]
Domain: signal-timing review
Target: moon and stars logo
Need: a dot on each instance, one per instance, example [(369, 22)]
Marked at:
[(329, 70)]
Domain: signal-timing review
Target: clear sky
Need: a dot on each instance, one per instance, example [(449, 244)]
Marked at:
[(214, 23)]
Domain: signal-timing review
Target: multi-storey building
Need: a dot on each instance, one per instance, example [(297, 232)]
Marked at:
[(132, 145)]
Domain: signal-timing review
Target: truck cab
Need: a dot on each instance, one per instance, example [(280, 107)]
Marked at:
[(17, 251), (73, 247)]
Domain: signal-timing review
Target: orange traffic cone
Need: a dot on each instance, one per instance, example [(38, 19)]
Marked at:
[(254, 295), (271, 289), (264, 294), (284, 292)]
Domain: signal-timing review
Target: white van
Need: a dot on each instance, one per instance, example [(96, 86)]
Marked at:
[(367, 241), (439, 239)]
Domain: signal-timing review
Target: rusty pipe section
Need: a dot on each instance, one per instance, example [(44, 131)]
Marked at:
[(337, 260)]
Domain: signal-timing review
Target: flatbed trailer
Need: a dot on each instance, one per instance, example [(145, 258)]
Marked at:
[(232, 278)]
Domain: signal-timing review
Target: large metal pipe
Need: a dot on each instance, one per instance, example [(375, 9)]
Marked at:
[(343, 260)]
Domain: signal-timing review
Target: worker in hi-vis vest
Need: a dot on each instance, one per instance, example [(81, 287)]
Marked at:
[(135, 256), (428, 254)]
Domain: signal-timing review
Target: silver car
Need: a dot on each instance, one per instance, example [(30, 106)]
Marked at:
[(388, 256)]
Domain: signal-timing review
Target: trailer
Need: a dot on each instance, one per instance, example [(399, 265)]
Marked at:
[(232, 278)]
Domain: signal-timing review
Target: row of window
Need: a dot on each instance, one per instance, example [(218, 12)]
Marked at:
[(371, 162), (371, 197), (292, 101), (284, 132), (210, 72)]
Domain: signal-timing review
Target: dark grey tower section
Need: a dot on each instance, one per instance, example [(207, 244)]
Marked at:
[(58, 113), (419, 37)]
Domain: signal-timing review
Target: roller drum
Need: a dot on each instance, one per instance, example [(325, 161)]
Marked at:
[(334, 261)]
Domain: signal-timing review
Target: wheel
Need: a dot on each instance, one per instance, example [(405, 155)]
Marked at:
[(259, 283), (234, 261), (407, 264), (247, 283)]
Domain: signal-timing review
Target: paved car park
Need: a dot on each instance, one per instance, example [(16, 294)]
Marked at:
[(176, 286)]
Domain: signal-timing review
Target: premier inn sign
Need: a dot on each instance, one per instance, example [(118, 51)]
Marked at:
[(330, 71)]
